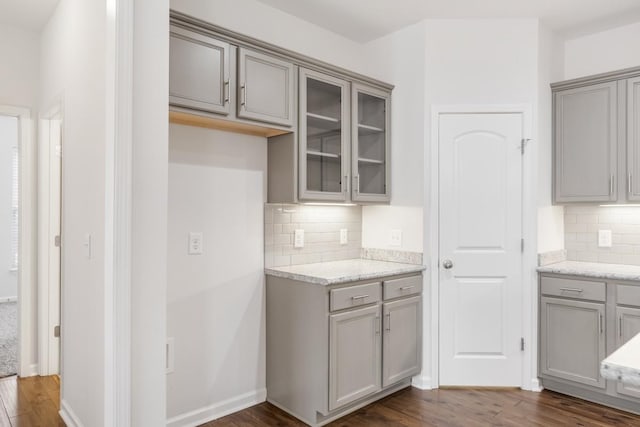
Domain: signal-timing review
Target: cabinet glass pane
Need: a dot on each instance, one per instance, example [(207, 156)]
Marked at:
[(324, 136), (371, 143)]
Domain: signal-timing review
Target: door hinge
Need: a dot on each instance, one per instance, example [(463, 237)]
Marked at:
[(521, 344), (56, 241), (523, 144), (56, 331), (521, 245)]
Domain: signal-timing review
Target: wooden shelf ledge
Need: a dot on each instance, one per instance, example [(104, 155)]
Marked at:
[(224, 125)]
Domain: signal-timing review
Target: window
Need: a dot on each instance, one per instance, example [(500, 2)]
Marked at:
[(14, 209)]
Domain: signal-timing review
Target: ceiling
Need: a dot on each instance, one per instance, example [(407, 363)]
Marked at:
[(26, 14), (365, 20)]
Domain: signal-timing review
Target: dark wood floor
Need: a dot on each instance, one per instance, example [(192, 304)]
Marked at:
[(456, 407), (30, 402)]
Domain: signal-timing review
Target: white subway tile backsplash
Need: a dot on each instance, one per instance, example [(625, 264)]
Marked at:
[(321, 225), (582, 223)]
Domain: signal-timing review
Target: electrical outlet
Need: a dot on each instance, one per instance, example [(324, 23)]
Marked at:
[(605, 239), (344, 239), (195, 243), (298, 238), (395, 238)]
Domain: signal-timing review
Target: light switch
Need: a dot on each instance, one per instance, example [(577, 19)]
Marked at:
[(298, 238), (395, 238), (344, 236), (195, 243), (604, 238)]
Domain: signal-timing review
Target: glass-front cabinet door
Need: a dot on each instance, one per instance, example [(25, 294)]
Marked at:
[(371, 115), (324, 137)]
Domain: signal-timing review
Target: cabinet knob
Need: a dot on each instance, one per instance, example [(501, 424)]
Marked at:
[(447, 264)]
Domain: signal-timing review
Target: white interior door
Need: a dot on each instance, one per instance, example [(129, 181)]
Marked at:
[(480, 249)]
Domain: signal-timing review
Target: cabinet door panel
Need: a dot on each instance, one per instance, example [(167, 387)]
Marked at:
[(628, 327), (371, 118), (324, 137), (266, 88), (198, 72), (572, 340), (633, 139), (585, 143), (354, 355), (401, 352)]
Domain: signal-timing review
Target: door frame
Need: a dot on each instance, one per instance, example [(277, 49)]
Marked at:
[(529, 378), (48, 300), (26, 237)]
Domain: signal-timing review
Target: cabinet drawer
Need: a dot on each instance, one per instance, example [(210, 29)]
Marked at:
[(628, 295), (354, 296), (402, 287), (571, 288)]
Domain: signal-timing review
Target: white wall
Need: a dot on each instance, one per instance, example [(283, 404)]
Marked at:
[(73, 66), (217, 186), (604, 51), (8, 141), (19, 82), (550, 69)]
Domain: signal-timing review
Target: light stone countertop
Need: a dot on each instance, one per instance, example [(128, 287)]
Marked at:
[(594, 269), (351, 270), (624, 364)]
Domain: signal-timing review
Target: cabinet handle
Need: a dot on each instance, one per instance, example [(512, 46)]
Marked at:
[(377, 325), (243, 89), (388, 316), (611, 184), (629, 183), (359, 297), (357, 186), (600, 323), (405, 288), (346, 184), (620, 326), (227, 91), (572, 290)]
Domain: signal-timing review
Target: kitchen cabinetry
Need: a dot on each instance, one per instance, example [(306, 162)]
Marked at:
[(370, 144), (581, 322), (596, 140), (331, 349), (199, 72)]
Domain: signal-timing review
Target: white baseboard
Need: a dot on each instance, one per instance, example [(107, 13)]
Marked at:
[(218, 410), (68, 416), (8, 299), (422, 382), (30, 370), (536, 386)]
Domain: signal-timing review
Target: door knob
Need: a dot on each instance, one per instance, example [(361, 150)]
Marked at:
[(447, 263)]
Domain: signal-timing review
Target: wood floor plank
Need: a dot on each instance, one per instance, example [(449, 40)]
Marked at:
[(455, 408)]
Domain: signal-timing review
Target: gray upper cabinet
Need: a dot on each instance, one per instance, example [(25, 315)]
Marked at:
[(266, 88), (198, 72), (586, 143), (354, 355), (572, 340), (371, 118), (633, 139), (324, 137), (401, 348)]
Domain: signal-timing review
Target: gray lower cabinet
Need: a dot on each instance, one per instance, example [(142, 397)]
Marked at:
[(199, 72), (332, 349), (572, 340), (266, 88), (355, 356), (585, 138), (401, 349), (582, 321)]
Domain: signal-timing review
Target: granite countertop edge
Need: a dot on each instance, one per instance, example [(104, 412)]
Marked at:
[(593, 270), (325, 281)]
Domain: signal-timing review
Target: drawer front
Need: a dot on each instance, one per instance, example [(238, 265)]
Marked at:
[(354, 296), (628, 295), (572, 288), (402, 287)]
